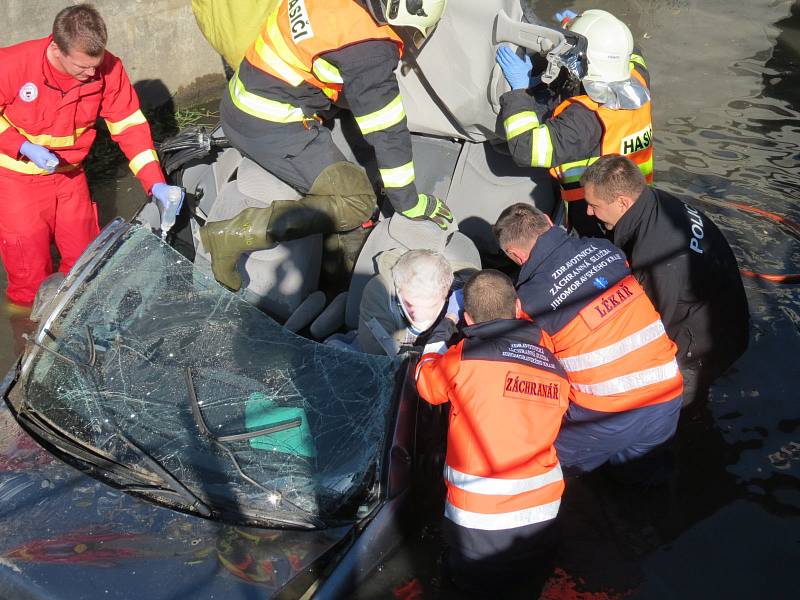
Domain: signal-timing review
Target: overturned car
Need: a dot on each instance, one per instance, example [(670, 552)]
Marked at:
[(165, 438)]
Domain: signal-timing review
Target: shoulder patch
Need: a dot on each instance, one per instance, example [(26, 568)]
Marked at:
[(299, 23)]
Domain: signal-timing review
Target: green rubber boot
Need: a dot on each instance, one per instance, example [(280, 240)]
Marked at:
[(340, 199), (227, 240)]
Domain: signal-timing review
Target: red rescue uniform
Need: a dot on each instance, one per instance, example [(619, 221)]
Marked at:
[(42, 105)]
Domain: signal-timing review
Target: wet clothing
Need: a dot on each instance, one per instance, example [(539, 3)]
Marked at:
[(382, 326), (40, 104), (688, 270), (308, 57), (507, 394), (574, 135), (609, 339), (55, 207)]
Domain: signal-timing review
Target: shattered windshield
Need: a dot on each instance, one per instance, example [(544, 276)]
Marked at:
[(189, 392)]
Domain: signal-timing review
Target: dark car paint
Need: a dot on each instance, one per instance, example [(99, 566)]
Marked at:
[(67, 535)]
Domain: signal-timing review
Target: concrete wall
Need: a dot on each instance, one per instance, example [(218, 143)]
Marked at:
[(158, 40)]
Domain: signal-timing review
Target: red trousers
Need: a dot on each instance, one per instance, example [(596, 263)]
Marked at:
[(36, 210)]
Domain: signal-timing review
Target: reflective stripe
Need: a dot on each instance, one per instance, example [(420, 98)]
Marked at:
[(44, 139), (262, 108), (276, 63), (632, 381), (520, 123), (117, 127), (325, 71), (279, 44), (507, 520), (639, 60), (29, 168), (143, 158), (646, 167), (492, 486), (399, 176), (541, 147), (608, 354), (389, 115)]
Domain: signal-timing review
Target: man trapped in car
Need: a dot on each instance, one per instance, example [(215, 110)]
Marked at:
[(507, 396)]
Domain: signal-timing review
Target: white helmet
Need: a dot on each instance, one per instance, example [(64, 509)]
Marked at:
[(422, 15), (609, 45)]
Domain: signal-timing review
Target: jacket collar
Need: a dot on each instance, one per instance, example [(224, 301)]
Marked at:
[(501, 327), (547, 244), (627, 228)]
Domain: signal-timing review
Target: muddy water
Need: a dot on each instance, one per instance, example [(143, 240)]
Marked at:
[(726, 85)]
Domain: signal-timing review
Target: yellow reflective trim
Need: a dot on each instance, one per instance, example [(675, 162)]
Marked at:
[(325, 71), (639, 60), (279, 44), (117, 127), (29, 168), (399, 176), (277, 64), (383, 118), (262, 108), (143, 158), (45, 139), (520, 123), (541, 147), (647, 166), (4, 124)]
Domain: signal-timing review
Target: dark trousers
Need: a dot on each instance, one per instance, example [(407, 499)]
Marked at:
[(485, 562), (590, 438), (293, 152)]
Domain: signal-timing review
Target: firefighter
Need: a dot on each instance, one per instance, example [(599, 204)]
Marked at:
[(683, 262), (625, 394), (610, 114), (308, 56), (52, 90), (507, 397)]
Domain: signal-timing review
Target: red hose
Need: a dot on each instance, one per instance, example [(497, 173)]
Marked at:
[(792, 226)]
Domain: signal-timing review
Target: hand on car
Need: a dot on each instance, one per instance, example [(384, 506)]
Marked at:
[(162, 192), (430, 208), (40, 156), (516, 70), (566, 14)]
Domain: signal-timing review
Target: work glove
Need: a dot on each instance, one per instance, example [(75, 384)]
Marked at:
[(40, 156), (517, 71), (161, 192), (455, 305), (430, 208), (566, 14)]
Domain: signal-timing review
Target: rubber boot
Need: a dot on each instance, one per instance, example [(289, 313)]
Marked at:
[(340, 199), (227, 240)]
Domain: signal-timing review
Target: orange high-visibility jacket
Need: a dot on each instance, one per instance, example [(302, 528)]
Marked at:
[(34, 108), (297, 32), (625, 132), (508, 395), (606, 333)]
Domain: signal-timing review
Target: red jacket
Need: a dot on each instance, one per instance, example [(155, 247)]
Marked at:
[(507, 394), (33, 107)]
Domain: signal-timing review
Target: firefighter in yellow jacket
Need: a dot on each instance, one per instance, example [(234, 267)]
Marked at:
[(308, 56), (610, 115)]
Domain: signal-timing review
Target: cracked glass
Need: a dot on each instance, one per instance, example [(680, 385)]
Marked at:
[(180, 390)]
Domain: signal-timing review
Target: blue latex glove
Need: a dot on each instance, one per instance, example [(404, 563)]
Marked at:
[(160, 192), (565, 14), (516, 70), (455, 304), (40, 156)]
